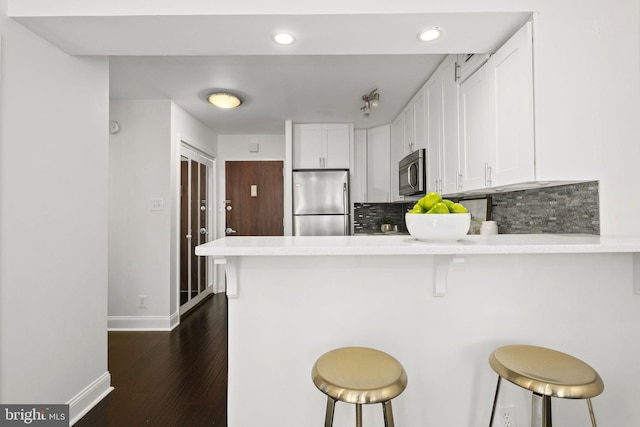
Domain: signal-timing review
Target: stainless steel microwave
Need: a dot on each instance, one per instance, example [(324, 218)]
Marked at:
[(412, 173)]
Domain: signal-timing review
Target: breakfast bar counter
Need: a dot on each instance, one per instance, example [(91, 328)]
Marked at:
[(439, 308), (406, 245)]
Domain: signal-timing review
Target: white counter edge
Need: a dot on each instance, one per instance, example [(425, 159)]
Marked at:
[(406, 245)]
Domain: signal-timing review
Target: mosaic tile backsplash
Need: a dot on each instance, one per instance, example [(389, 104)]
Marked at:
[(565, 209), (570, 208)]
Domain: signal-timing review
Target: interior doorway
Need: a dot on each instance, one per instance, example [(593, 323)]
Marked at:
[(254, 193), (196, 225)]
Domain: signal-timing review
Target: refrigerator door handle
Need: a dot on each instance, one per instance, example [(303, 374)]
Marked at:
[(345, 207)]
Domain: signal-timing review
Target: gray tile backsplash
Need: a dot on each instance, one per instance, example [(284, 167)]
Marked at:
[(572, 208), (367, 216)]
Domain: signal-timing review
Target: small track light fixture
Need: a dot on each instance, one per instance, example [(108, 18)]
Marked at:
[(371, 100)]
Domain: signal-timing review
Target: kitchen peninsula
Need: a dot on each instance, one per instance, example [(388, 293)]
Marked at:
[(440, 309)]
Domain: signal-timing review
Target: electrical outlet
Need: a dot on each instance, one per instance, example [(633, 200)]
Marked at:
[(142, 301), (507, 416)]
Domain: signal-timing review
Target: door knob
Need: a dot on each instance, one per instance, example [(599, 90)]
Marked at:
[(229, 208), (229, 230), (203, 231)]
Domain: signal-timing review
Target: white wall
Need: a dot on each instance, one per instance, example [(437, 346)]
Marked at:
[(139, 238), (143, 244), (53, 222)]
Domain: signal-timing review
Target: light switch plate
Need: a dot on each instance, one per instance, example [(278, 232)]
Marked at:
[(157, 204)]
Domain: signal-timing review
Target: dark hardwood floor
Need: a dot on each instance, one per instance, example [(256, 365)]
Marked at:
[(176, 378)]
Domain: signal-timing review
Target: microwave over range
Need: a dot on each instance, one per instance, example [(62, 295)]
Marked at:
[(412, 174)]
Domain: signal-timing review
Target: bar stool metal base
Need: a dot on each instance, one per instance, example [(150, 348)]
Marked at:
[(386, 411), (531, 367)]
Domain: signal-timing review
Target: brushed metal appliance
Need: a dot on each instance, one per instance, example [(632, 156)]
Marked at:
[(321, 202)]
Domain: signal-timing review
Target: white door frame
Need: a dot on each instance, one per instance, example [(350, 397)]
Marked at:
[(189, 151)]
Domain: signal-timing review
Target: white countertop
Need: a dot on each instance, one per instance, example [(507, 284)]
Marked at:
[(406, 245)]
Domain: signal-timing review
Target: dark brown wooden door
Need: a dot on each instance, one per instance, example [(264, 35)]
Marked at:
[(254, 192)]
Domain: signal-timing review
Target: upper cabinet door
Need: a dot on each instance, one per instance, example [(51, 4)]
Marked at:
[(474, 168), (419, 120), (449, 164), (397, 142), (336, 145), (433, 97), (378, 152), (325, 145), (307, 146), (409, 131), (510, 89)]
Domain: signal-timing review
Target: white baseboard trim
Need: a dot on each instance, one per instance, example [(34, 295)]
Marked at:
[(143, 323), (82, 402), (174, 320)]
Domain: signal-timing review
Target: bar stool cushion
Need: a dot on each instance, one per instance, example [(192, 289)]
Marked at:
[(546, 372), (359, 375)]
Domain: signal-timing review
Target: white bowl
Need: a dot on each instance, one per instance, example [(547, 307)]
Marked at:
[(438, 227)]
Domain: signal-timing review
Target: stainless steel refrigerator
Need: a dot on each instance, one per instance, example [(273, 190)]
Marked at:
[(321, 202)]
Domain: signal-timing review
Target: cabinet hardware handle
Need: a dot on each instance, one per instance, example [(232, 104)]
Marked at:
[(489, 180), (486, 166)]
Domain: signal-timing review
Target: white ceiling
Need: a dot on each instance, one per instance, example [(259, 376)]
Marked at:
[(321, 78)]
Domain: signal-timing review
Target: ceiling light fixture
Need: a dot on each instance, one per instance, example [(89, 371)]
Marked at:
[(224, 100), (284, 39), (371, 100), (430, 34)]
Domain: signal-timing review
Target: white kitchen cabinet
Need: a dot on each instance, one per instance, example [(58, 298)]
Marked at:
[(359, 170), (469, 64), (474, 125), (419, 106), (414, 124), (397, 141), (441, 94), (378, 171), (408, 136), (450, 167), (325, 145), (433, 97), (496, 118), (510, 91)]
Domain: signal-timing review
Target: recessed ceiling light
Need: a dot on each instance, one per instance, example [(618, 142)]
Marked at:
[(429, 34), (284, 39), (224, 100)]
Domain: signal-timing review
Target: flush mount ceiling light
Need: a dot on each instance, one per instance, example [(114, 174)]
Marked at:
[(371, 100), (284, 39), (224, 100), (430, 34)]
